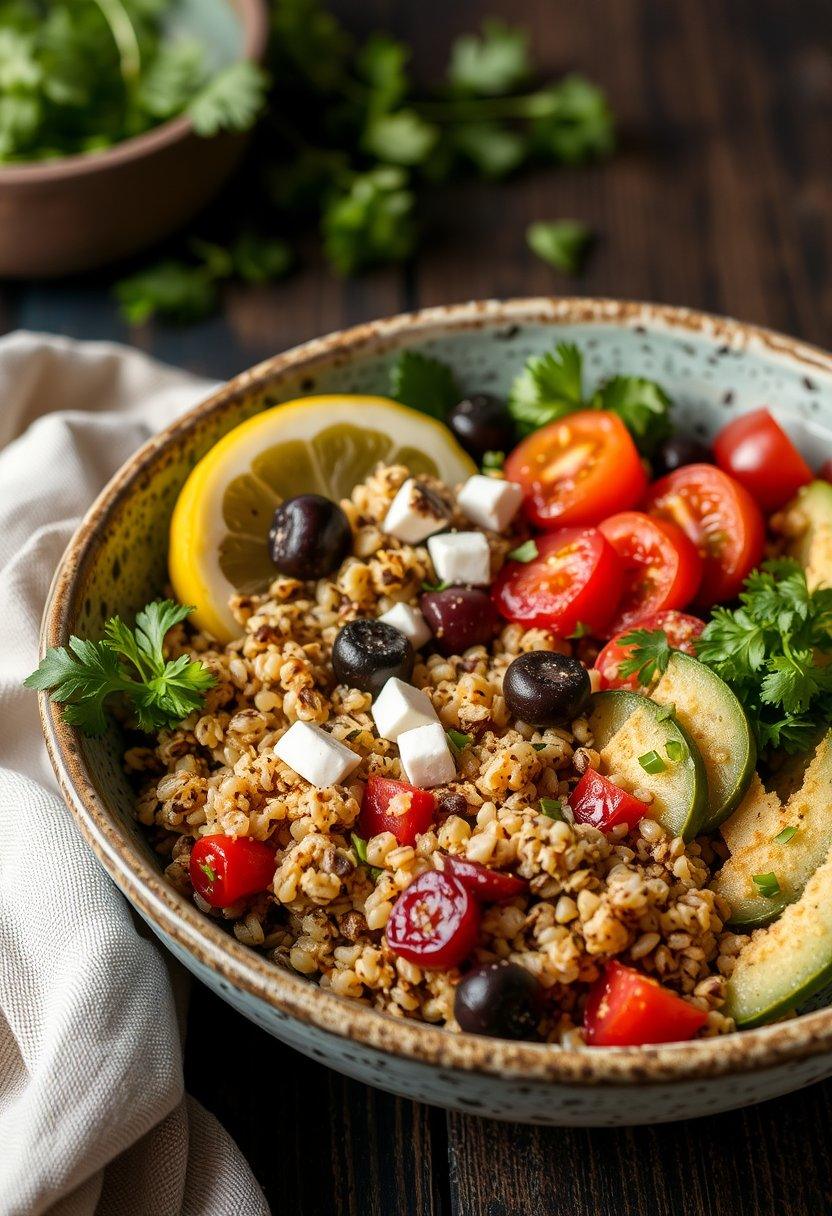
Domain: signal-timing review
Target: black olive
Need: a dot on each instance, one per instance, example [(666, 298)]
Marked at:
[(366, 654), (482, 424), (501, 999), (310, 536), (459, 617), (679, 450), (546, 689)]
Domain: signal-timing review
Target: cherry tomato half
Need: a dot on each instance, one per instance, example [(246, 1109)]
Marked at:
[(411, 815), (662, 568), (492, 886), (626, 1008), (435, 922), (224, 870), (722, 520), (597, 800), (578, 470), (682, 631), (756, 450), (576, 577)]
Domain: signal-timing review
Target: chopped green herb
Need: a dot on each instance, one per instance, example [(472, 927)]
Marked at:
[(564, 244), (526, 552), (766, 884), (126, 662), (649, 657), (208, 871), (675, 750), (360, 846), (786, 835), (652, 762), (552, 808), (539, 747), (353, 735), (424, 384), (581, 630), (492, 461), (458, 739), (549, 387), (440, 586)]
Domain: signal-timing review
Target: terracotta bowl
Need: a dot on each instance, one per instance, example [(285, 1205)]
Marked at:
[(62, 216), (714, 369)]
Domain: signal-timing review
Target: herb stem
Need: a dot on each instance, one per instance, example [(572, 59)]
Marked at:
[(541, 104), (124, 36)]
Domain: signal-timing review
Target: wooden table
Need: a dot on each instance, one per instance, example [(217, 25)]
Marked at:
[(721, 198)]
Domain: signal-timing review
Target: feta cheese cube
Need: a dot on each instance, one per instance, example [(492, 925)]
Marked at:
[(410, 622), (415, 513), (315, 755), (461, 558), (400, 707), (426, 757), (490, 502)]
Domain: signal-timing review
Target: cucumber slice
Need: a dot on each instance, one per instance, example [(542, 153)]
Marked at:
[(751, 834), (813, 547), (705, 706), (627, 726), (787, 965)]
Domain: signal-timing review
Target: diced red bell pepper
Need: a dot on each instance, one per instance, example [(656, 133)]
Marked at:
[(224, 869), (435, 922), (626, 1008), (597, 800), (491, 886), (417, 809)]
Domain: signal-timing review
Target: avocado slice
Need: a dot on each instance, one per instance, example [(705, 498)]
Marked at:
[(751, 834), (813, 546), (789, 964), (627, 726), (711, 714)]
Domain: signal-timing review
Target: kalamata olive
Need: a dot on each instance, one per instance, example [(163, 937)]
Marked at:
[(310, 536), (366, 654), (546, 689), (500, 999), (459, 617), (482, 424), (679, 450)]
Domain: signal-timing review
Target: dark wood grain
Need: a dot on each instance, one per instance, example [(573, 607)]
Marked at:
[(720, 197)]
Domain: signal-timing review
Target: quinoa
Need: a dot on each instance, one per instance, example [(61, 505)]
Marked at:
[(639, 896)]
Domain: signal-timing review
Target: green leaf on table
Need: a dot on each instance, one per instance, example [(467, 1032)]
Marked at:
[(574, 122), (400, 138), (231, 101), (261, 259), (492, 63), (423, 383), (173, 290), (493, 150), (382, 65), (561, 243), (370, 220), (549, 387)]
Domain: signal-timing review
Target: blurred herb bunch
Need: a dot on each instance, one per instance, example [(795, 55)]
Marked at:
[(346, 143)]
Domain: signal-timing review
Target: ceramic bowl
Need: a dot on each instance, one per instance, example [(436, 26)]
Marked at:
[(714, 369), (62, 216)]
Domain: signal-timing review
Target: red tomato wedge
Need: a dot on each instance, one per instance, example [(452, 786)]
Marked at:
[(756, 450), (682, 631), (626, 1008), (662, 568), (224, 870), (722, 520), (578, 470), (575, 578), (597, 800), (435, 922), (492, 886), (410, 815)]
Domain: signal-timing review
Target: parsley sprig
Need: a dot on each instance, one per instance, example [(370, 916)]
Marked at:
[(771, 651), (551, 386), (126, 662)]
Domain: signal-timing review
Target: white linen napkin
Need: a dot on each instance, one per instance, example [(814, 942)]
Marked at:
[(93, 1115)]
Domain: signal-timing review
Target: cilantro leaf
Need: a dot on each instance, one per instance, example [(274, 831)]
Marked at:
[(171, 289), (492, 63), (562, 243), (129, 662), (424, 384), (382, 64), (642, 405), (260, 259), (649, 657), (575, 122), (172, 79), (231, 100), (549, 386), (371, 220), (494, 150), (401, 138)]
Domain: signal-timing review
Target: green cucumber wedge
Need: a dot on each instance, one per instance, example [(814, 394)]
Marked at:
[(627, 728), (768, 838), (789, 965), (813, 546), (711, 714)]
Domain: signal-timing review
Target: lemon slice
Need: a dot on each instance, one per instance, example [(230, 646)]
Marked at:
[(323, 445)]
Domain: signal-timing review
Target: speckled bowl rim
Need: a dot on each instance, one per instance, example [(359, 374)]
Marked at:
[(764, 1048), (253, 17)]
